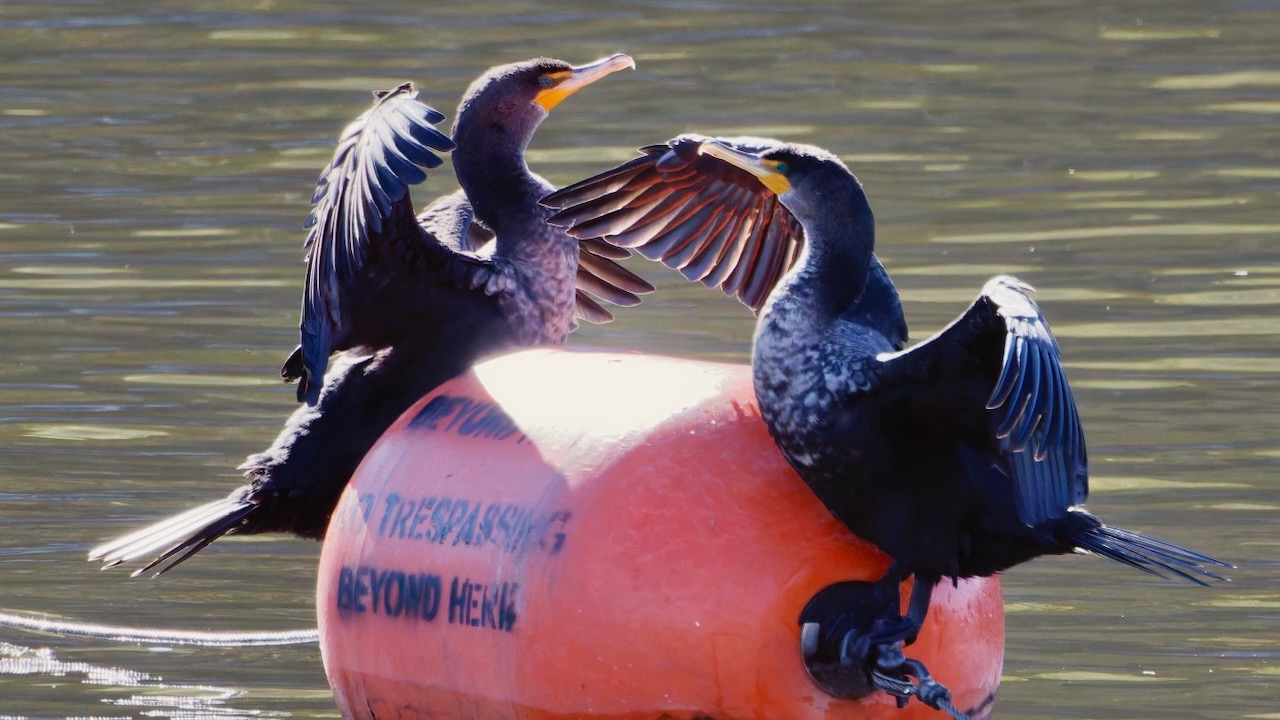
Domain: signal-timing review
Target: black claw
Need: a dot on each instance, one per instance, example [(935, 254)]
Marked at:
[(893, 675), (889, 658)]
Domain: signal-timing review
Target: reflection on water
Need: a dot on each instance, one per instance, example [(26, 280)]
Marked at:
[(157, 163), (124, 689)]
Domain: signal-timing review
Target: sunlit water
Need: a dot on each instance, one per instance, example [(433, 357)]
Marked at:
[(155, 169)]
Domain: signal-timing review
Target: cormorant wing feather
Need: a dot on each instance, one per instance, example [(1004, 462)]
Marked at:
[(600, 275), (696, 214), (452, 220), (879, 308), (714, 223), (999, 362), (361, 197)]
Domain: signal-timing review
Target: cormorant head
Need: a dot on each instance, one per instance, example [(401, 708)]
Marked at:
[(510, 101), (811, 182)]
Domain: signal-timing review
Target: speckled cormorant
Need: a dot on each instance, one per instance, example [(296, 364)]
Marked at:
[(959, 457), (396, 304)]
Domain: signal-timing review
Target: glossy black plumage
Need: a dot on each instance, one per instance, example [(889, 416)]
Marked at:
[(395, 303), (961, 456)]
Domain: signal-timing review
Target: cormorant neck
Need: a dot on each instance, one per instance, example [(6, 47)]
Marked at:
[(839, 242), (489, 164)]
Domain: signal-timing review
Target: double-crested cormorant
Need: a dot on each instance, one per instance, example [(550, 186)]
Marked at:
[(959, 457), (396, 304)]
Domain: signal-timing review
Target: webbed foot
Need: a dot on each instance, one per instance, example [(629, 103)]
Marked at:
[(851, 639)]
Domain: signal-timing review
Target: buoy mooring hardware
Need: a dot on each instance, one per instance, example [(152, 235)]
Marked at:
[(561, 534)]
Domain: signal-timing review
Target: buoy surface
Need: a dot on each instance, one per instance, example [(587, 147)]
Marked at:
[(566, 534)]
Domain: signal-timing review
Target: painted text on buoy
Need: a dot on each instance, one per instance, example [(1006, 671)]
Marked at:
[(572, 534)]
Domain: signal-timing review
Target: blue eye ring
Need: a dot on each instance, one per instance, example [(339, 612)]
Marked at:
[(781, 168), (546, 81)]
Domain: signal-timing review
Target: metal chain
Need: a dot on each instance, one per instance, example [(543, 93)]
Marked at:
[(893, 673)]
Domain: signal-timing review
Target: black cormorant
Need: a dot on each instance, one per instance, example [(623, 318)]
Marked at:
[(959, 457), (396, 304)]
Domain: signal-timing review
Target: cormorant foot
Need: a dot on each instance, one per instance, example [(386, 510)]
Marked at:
[(851, 638), (841, 628), (892, 672)]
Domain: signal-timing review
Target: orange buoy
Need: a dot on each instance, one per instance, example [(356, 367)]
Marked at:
[(577, 534)]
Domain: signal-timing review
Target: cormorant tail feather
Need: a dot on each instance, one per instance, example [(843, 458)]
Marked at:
[(176, 538), (1148, 554)]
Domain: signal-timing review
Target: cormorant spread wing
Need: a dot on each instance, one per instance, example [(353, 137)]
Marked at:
[(999, 359), (712, 222), (361, 199)]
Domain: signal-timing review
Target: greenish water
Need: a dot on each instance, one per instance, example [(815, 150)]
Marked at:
[(155, 168)]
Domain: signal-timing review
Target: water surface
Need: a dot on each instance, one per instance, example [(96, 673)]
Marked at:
[(156, 166)]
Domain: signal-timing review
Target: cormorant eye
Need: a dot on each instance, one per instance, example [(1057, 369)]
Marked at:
[(781, 168), (546, 81)]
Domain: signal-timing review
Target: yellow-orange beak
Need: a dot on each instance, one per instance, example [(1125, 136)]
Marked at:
[(568, 82), (766, 171)]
